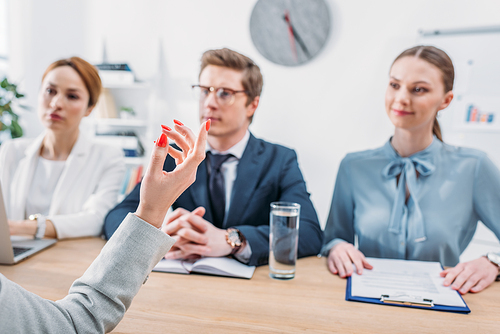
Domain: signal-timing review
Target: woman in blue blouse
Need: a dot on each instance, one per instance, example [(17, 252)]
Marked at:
[(415, 198)]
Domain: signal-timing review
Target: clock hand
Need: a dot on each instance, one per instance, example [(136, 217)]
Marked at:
[(291, 36), (299, 40)]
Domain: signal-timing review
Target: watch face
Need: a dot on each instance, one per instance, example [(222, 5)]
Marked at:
[(290, 32), (495, 258), (234, 237)]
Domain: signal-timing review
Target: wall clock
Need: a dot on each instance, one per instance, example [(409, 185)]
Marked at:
[(290, 32)]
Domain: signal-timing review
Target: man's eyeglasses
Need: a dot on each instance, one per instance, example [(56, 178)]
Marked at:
[(223, 96)]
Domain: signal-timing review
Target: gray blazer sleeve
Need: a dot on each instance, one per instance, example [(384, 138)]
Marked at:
[(97, 301)]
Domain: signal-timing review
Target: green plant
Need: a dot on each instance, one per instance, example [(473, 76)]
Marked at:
[(129, 110), (9, 120)]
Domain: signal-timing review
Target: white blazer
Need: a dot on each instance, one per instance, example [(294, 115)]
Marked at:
[(87, 189)]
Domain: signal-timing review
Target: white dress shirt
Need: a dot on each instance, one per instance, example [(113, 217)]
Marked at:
[(229, 170), (43, 185), (230, 167)]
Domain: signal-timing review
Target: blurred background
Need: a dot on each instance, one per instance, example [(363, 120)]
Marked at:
[(325, 108)]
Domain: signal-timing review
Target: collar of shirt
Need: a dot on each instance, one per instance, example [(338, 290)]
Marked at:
[(236, 150), (426, 154)]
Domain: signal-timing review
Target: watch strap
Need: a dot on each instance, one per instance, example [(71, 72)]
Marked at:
[(235, 243), (495, 259), (41, 225)]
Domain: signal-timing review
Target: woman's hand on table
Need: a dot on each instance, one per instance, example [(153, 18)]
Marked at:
[(341, 258), (472, 276)]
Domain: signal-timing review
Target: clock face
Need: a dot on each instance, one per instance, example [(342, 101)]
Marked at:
[(290, 32)]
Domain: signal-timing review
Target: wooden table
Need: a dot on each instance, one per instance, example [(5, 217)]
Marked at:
[(314, 301)]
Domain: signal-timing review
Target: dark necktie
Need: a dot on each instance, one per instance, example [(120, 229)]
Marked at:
[(217, 188)]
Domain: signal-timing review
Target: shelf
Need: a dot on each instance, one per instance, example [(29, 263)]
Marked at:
[(135, 85), (138, 123), (134, 160)]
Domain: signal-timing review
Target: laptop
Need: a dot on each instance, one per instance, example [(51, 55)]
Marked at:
[(19, 248)]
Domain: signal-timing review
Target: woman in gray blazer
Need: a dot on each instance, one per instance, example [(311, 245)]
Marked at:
[(98, 300)]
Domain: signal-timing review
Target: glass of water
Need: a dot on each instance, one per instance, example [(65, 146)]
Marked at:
[(283, 239)]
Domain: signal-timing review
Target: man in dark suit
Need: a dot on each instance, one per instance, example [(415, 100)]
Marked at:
[(226, 210)]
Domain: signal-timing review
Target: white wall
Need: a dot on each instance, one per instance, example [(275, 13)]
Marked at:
[(42, 32), (324, 109)]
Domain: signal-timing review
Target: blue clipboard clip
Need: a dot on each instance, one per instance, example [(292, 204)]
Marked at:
[(404, 299)]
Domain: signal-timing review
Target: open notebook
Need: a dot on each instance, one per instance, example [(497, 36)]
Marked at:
[(219, 266)]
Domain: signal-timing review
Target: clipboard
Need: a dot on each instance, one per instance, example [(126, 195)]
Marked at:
[(404, 301)]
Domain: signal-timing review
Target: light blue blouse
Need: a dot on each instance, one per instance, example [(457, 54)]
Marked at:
[(455, 188)]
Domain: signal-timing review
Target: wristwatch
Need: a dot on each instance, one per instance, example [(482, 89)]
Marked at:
[(495, 259), (235, 239), (40, 225)]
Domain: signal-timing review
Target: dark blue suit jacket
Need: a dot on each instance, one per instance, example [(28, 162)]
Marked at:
[(266, 173)]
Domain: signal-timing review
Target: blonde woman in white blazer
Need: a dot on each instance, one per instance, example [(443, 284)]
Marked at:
[(61, 184)]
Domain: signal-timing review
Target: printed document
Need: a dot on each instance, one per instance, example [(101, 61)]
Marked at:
[(414, 279)]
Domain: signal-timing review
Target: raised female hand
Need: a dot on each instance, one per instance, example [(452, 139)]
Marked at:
[(160, 189)]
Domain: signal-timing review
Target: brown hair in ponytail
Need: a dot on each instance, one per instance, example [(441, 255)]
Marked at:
[(436, 130), (442, 61)]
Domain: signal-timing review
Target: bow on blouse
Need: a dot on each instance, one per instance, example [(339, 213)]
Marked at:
[(405, 167)]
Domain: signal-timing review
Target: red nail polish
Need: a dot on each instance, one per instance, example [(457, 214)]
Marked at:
[(208, 124), (166, 128), (178, 122), (162, 140)]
